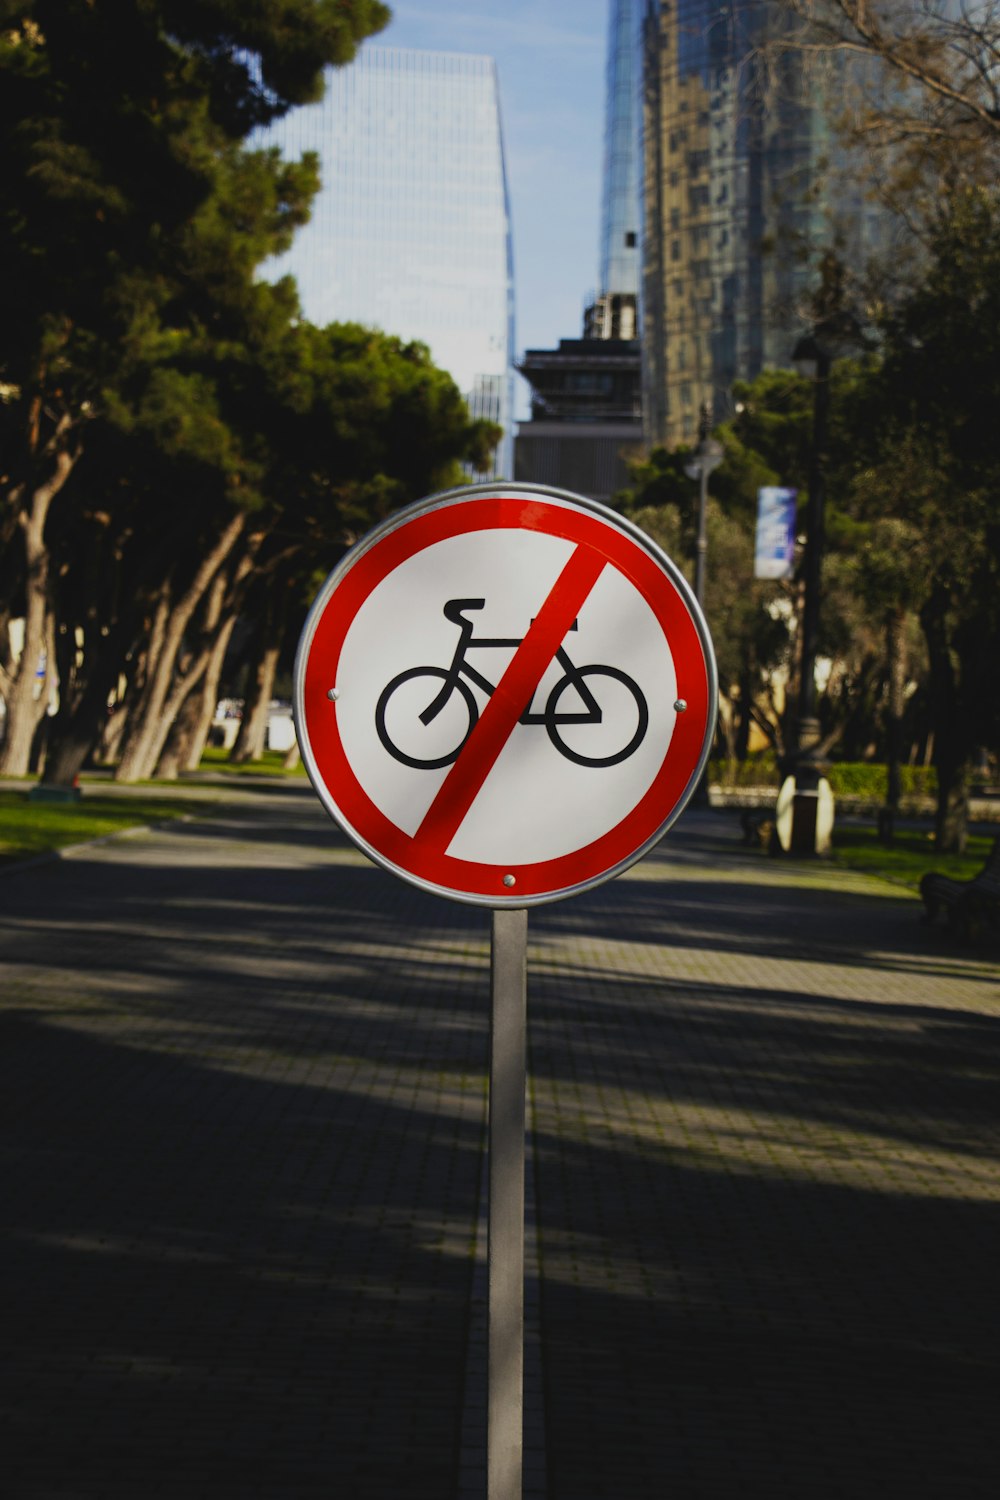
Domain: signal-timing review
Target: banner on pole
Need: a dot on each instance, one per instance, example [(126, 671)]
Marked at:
[(774, 550)]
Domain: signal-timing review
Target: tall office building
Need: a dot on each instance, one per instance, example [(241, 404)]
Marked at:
[(615, 311), (738, 187), (410, 232), (586, 402)]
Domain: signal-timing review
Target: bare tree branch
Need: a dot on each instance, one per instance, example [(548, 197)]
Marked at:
[(950, 61)]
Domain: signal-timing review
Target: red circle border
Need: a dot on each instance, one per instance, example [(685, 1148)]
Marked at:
[(360, 816)]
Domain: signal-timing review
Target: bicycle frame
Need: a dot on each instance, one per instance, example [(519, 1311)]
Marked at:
[(454, 611)]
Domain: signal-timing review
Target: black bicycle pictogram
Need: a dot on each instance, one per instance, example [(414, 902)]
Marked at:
[(445, 685)]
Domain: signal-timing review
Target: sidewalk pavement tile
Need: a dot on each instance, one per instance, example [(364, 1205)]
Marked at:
[(244, 1086)]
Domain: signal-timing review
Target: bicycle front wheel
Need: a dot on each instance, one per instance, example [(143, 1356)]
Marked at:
[(419, 723), (606, 740)]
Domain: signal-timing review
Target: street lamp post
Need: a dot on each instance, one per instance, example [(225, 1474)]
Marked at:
[(707, 456), (812, 360)]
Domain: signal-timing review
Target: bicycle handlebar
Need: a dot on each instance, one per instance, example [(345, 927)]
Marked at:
[(455, 609)]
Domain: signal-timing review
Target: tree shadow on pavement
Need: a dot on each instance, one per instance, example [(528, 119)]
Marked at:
[(242, 1176), (244, 1087)]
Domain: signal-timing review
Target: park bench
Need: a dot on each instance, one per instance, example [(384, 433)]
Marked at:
[(967, 904)]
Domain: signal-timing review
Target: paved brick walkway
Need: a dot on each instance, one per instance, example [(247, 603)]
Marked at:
[(243, 1088)]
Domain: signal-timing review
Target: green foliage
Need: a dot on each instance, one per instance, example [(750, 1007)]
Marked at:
[(756, 770), (926, 503), (866, 781), (139, 354), (359, 423), (773, 422), (659, 481), (745, 615), (119, 124), (869, 781), (663, 523)]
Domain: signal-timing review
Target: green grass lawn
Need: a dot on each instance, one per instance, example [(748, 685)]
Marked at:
[(31, 828), (270, 764), (911, 855)]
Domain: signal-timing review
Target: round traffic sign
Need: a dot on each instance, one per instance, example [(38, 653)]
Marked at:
[(505, 694)]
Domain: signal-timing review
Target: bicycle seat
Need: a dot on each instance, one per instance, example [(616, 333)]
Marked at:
[(455, 609)]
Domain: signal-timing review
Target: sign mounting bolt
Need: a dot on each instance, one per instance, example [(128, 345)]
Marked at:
[(333, 694), (681, 705), (509, 880)]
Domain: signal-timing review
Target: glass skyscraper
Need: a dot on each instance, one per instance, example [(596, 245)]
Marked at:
[(620, 205), (586, 406), (410, 232), (740, 187)]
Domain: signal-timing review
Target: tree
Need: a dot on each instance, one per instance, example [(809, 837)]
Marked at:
[(891, 566), (914, 90), (363, 422), (944, 60), (113, 118), (936, 478), (172, 475), (749, 631)]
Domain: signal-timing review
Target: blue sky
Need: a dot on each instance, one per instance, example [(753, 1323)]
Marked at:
[(550, 57)]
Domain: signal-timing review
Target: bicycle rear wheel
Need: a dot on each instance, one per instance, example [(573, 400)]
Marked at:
[(416, 738)]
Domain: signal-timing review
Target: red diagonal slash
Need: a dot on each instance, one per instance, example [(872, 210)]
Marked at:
[(514, 692)]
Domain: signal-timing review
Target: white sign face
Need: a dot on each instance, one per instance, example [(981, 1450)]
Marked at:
[(505, 694), (542, 798)]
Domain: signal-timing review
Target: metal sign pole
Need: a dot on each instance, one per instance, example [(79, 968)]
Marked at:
[(505, 1415)]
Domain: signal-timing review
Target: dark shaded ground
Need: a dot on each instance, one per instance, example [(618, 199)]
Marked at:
[(242, 1082)]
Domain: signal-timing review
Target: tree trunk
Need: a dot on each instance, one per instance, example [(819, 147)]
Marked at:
[(895, 642), (137, 693), (952, 741), (69, 751), (178, 705), (951, 825), (252, 736), (177, 746), (186, 738), (224, 588), (292, 756), (728, 711), (209, 696), (145, 740), (78, 727), (182, 731), (742, 748), (25, 705), (253, 728)]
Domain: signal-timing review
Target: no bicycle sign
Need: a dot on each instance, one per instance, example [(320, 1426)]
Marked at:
[(505, 694)]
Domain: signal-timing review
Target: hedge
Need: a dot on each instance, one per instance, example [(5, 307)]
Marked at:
[(863, 779)]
